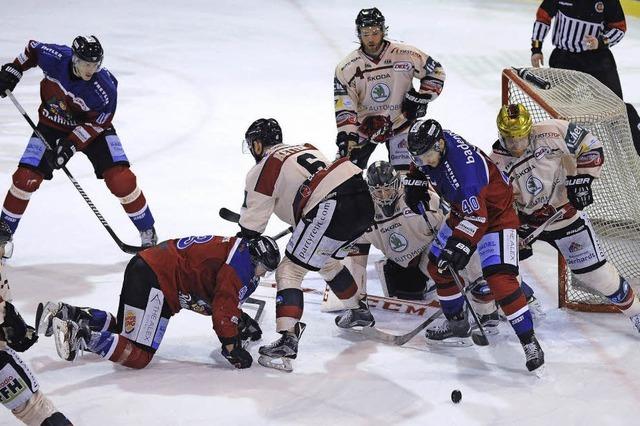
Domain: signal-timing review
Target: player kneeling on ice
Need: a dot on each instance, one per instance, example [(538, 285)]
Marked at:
[(482, 217), (551, 165), (19, 388), (329, 206), (210, 275), (404, 238)]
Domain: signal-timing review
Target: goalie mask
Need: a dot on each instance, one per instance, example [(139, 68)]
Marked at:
[(384, 186), (262, 133), (514, 127)]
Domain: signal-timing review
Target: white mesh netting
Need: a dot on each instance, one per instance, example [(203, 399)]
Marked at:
[(615, 213)]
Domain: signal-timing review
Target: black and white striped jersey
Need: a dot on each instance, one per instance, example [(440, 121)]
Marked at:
[(575, 19)]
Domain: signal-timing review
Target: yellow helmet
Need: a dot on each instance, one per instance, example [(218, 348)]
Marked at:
[(514, 121)]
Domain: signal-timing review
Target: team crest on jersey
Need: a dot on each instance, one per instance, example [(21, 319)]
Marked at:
[(129, 321), (599, 7), (380, 92), (534, 185), (305, 191), (398, 242)]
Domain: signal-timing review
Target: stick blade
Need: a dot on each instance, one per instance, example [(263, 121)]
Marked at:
[(229, 215)]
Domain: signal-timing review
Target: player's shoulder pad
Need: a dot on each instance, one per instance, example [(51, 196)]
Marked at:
[(350, 61)]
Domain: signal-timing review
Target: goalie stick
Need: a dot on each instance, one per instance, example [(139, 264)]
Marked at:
[(399, 340), (478, 339), (124, 247)]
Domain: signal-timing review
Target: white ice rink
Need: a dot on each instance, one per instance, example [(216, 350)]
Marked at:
[(193, 74)]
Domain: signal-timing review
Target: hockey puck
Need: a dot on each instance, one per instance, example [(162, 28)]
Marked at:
[(456, 396)]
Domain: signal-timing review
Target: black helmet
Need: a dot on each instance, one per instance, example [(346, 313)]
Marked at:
[(423, 135), (264, 250), (370, 18), (88, 49), (268, 131), (384, 186)]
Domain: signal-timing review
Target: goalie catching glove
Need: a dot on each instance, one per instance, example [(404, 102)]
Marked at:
[(414, 104), (456, 254), (579, 190)]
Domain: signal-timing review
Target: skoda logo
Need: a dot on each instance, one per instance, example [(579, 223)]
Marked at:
[(534, 185), (380, 92), (398, 242)]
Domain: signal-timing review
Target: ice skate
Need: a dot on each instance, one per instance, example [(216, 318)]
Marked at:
[(280, 353), (454, 333), (70, 337), (535, 307), (360, 316), (148, 237), (47, 312), (534, 355), (489, 323)]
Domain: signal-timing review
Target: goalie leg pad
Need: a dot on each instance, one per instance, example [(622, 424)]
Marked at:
[(405, 283)]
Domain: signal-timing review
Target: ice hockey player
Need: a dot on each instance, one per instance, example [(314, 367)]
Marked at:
[(375, 101), (404, 238), (78, 102), (19, 388), (482, 217), (329, 206), (551, 165), (209, 275)]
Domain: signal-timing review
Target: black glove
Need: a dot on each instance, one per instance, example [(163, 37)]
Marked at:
[(579, 190), (456, 253), (18, 335), (378, 128), (63, 153), (414, 104), (10, 75), (248, 328), (237, 356), (346, 143), (416, 184)]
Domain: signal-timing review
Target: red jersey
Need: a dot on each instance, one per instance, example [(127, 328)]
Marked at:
[(210, 275)]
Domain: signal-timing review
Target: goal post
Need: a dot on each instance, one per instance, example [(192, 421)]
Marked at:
[(615, 213)]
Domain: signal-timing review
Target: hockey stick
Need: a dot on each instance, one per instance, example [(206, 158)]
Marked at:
[(540, 229), (234, 217), (399, 340), (260, 304), (124, 247), (478, 339)]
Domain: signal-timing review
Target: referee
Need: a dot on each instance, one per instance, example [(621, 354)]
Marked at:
[(583, 34)]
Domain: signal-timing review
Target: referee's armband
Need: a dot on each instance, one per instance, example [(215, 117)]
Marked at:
[(536, 46)]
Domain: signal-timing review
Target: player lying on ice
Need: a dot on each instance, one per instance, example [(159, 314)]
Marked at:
[(210, 275)]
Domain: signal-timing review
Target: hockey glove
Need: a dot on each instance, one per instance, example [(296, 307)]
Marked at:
[(63, 153), (416, 186), (377, 128), (346, 143), (456, 253), (579, 190), (237, 356), (538, 217), (10, 75), (18, 335), (248, 328), (414, 104)]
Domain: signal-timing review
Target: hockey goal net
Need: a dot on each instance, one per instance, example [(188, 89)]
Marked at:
[(615, 213)]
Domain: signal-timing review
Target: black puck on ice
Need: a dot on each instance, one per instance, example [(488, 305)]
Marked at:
[(456, 396)]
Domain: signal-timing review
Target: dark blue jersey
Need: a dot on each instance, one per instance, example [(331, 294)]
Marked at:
[(84, 108)]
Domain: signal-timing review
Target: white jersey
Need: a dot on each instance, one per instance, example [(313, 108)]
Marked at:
[(289, 181), (557, 149), (405, 235), (364, 86)]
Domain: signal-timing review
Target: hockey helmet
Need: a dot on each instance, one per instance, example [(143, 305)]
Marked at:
[(88, 49), (423, 135), (262, 133), (370, 18), (264, 250), (514, 121), (384, 186)]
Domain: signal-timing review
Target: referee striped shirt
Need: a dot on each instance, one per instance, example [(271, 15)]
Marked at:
[(575, 19)]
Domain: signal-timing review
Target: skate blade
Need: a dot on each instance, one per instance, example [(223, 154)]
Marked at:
[(451, 343), (540, 372), (61, 335), (281, 364), (356, 325)]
